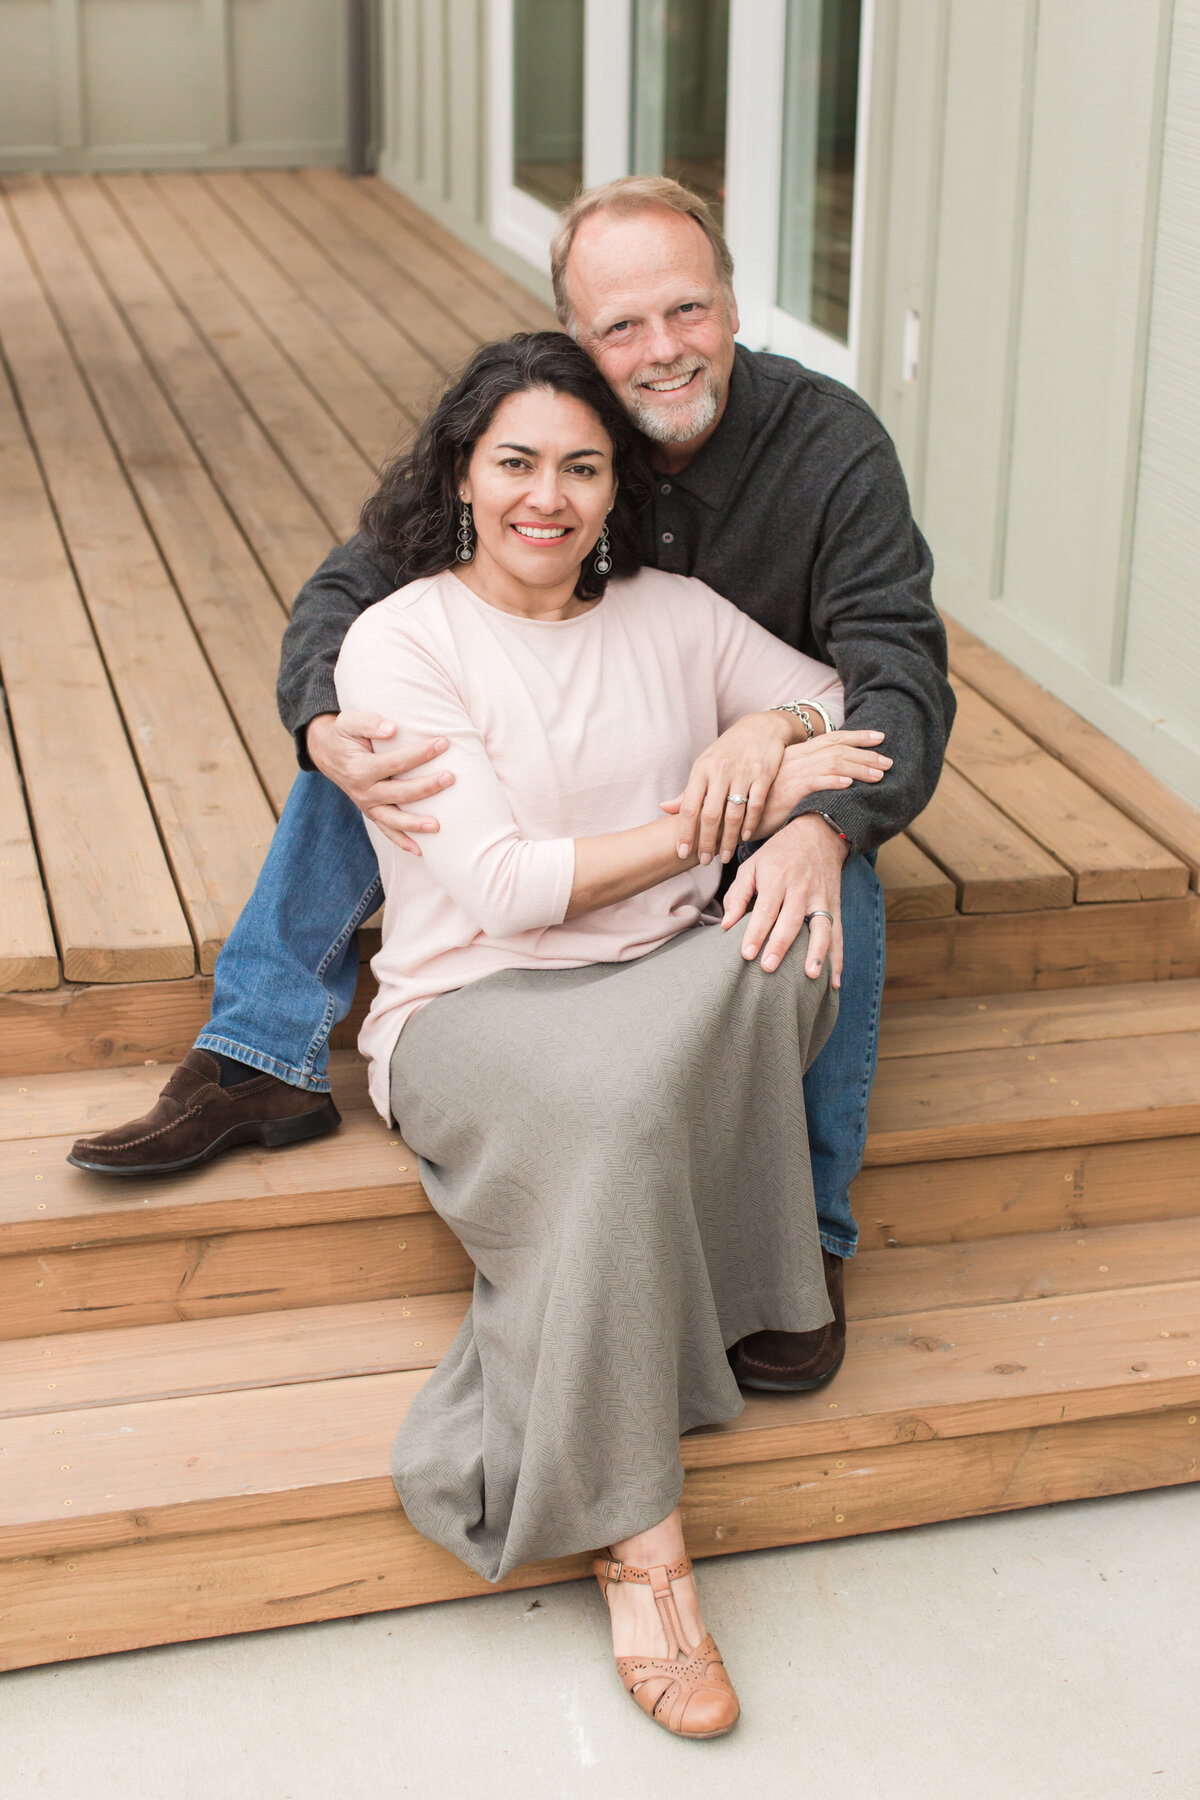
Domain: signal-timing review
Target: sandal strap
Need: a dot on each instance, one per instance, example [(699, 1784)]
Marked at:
[(610, 1569)]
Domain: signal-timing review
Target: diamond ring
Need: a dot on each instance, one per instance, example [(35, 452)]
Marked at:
[(739, 800)]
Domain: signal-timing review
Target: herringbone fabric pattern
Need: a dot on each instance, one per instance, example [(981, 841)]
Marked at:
[(622, 1150)]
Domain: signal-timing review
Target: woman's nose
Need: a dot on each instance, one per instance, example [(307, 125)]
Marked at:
[(546, 493)]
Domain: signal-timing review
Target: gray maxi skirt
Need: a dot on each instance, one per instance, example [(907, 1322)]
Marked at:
[(622, 1150)]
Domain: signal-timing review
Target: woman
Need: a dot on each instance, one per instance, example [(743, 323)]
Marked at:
[(604, 1092)]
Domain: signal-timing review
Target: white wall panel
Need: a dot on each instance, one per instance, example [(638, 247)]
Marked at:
[(29, 110)]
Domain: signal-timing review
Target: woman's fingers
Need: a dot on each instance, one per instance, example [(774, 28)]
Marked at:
[(712, 813), (759, 792), (689, 809)]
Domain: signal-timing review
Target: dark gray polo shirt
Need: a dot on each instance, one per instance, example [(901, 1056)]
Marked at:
[(796, 509)]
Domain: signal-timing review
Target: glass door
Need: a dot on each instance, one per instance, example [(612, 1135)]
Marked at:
[(680, 79)]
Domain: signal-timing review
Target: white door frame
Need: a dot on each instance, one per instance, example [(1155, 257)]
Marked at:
[(753, 179), (518, 220), (753, 161)]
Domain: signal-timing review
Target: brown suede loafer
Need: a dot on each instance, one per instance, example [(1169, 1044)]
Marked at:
[(195, 1118), (789, 1362)]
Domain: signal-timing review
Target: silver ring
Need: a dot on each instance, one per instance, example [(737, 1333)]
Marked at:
[(818, 915), (739, 800)]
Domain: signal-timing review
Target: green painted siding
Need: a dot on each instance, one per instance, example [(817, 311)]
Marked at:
[(145, 84)]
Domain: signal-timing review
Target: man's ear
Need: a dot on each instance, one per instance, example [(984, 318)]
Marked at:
[(733, 315)]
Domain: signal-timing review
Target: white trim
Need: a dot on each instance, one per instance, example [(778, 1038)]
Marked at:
[(607, 89), (754, 170), (517, 220), (753, 154)]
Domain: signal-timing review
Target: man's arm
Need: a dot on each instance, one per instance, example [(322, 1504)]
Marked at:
[(873, 617), (352, 577)]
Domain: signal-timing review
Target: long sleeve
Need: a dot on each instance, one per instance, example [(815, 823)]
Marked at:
[(873, 617), (505, 882), (754, 670), (352, 577)]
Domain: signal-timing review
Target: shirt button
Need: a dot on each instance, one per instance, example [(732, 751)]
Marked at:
[(665, 488), (668, 537)]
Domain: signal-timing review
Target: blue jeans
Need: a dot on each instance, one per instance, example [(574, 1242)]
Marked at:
[(289, 968)]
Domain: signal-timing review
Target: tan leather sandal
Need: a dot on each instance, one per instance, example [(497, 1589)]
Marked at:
[(687, 1691)]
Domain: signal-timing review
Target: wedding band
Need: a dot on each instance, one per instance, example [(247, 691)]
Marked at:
[(739, 800), (818, 915)]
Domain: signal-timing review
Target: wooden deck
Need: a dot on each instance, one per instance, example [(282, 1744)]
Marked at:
[(199, 1380)]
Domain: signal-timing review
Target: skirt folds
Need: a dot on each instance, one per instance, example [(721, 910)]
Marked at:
[(622, 1150)]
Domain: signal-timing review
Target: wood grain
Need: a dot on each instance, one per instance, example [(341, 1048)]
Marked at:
[(28, 958), (1109, 856), (1104, 765), (994, 865), (913, 886), (235, 612), (210, 807), (114, 904), (260, 1577), (1134, 1010)]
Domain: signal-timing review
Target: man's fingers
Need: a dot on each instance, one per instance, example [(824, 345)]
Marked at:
[(767, 905), (384, 767), (787, 928), (406, 793), (835, 954), (820, 937), (365, 725), (741, 892)]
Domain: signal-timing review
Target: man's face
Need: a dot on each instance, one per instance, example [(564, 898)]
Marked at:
[(651, 312)]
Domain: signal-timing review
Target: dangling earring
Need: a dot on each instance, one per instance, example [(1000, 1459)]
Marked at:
[(466, 535), (603, 547)]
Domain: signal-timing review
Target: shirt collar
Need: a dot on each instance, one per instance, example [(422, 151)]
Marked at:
[(711, 474)]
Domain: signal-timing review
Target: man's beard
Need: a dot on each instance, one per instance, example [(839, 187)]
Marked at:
[(677, 424)]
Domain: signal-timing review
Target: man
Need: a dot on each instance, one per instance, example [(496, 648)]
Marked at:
[(782, 491)]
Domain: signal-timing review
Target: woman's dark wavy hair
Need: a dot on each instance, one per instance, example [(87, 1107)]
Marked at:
[(413, 514)]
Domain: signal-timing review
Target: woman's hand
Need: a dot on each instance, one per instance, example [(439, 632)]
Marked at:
[(743, 761), (823, 765)]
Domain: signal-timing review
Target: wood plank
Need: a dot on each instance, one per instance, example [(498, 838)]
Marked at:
[(991, 1101), (254, 1350), (235, 613), (913, 886), (361, 1171), (284, 1573), (1028, 1266), (989, 953), (396, 362), (1109, 856), (419, 315), (210, 808), (133, 1471), (157, 1281), (1095, 1185), (1105, 766), (994, 865), (284, 529), (366, 412), (528, 309), (480, 311), (116, 912), (1136, 1010), (250, 1350), (28, 958), (38, 1106), (331, 470)]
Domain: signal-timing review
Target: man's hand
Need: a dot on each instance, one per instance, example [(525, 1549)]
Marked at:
[(340, 746), (796, 873)]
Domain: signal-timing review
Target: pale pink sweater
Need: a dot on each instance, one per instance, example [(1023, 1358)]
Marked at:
[(558, 729)]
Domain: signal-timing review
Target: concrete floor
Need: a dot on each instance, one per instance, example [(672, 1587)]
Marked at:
[(1044, 1655)]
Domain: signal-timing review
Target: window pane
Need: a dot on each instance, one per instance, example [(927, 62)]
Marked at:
[(681, 65), (819, 124), (548, 99)]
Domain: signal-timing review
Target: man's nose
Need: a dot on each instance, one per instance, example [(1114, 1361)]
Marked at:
[(664, 345)]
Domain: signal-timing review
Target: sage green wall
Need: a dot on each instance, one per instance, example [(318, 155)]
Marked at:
[(1041, 213), (115, 84)]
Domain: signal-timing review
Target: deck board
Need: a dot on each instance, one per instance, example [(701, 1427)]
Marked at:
[(212, 365)]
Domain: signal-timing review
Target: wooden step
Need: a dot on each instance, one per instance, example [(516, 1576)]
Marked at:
[(995, 1118), (134, 1495)]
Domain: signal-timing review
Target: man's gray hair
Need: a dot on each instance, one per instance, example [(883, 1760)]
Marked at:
[(627, 195)]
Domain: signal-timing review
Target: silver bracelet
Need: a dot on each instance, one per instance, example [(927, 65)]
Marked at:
[(800, 710)]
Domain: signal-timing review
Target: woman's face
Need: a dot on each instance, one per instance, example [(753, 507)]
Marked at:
[(540, 483)]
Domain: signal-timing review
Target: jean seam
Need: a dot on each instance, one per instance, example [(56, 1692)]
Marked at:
[(321, 1036)]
